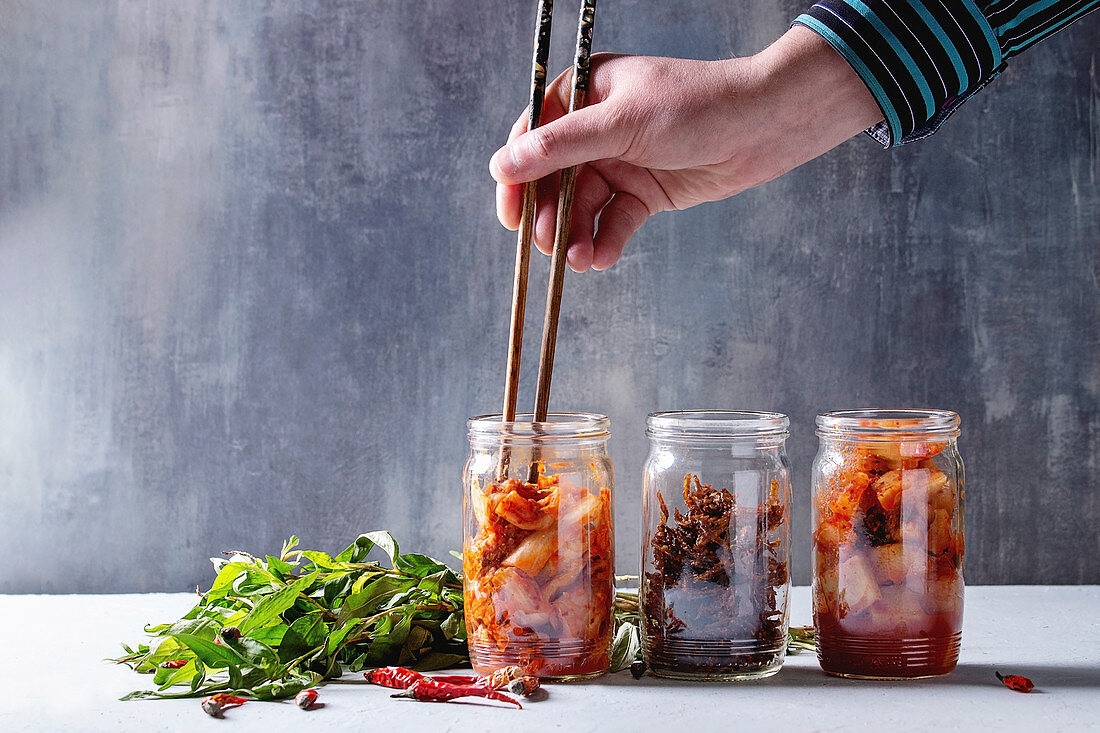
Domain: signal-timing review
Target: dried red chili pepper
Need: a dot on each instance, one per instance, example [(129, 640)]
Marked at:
[(402, 678), (459, 679), (428, 690), (219, 702), (306, 699), (173, 663), (397, 678), (1016, 682)]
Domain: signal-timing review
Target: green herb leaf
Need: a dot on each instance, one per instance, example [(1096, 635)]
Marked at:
[(626, 646), (269, 608), (212, 655), (304, 635), (357, 552)]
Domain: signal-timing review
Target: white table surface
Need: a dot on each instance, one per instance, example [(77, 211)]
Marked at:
[(52, 678)]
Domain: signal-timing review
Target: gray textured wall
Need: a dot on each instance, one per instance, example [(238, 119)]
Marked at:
[(251, 283)]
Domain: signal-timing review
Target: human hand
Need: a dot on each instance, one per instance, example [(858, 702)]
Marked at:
[(662, 133)]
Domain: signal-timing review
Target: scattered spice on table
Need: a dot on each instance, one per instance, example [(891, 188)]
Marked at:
[(216, 705), (307, 700), (1016, 682)]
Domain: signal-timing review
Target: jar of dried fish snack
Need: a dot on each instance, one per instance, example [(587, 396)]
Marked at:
[(888, 543), (538, 545), (716, 545)]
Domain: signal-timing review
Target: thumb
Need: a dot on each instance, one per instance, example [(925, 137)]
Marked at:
[(572, 139)]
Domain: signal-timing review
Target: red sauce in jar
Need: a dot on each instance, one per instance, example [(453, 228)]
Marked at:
[(888, 552)]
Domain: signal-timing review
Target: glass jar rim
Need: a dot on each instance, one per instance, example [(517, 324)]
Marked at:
[(716, 424), (888, 424), (557, 425)]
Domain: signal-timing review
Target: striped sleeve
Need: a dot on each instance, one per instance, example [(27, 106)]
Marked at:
[(921, 59)]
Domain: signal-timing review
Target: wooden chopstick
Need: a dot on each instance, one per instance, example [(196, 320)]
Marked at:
[(564, 218), (527, 216), (581, 66), (526, 225)]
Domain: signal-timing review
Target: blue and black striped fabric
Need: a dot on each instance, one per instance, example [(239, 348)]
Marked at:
[(921, 59)]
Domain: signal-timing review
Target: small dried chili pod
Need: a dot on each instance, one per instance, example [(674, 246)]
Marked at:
[(173, 663), (212, 707), (523, 686), (396, 678), (429, 690), (230, 633), (306, 699), (218, 703), (1016, 682), (503, 676)]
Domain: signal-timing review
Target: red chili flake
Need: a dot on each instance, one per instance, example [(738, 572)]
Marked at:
[(1016, 682), (173, 663), (306, 699), (429, 690), (219, 702)]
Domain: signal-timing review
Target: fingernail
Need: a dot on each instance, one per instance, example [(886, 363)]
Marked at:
[(573, 258), (505, 160)]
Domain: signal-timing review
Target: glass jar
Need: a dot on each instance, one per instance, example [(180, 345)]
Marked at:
[(715, 545), (538, 545), (888, 543)]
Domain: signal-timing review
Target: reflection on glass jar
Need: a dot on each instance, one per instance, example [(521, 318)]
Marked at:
[(716, 543), (888, 543), (538, 545)]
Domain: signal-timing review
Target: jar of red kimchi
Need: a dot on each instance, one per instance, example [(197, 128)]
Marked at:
[(716, 545), (538, 545), (888, 543)]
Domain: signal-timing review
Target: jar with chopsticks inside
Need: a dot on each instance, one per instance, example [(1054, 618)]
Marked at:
[(538, 544)]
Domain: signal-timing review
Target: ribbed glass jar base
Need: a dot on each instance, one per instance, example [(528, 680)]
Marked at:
[(716, 660), (888, 659), (562, 661)]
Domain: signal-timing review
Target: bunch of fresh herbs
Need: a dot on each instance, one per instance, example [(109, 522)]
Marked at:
[(269, 628)]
